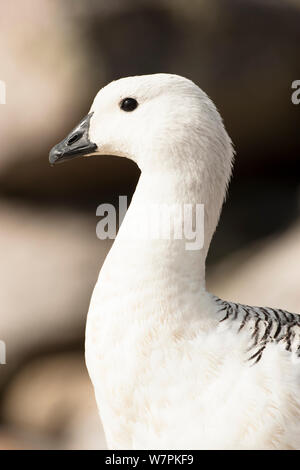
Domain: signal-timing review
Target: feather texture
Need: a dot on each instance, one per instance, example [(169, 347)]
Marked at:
[(266, 325)]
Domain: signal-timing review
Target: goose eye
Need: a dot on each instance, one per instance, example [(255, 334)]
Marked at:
[(128, 104)]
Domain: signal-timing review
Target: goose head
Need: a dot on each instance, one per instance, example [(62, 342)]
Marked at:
[(158, 121), (170, 128)]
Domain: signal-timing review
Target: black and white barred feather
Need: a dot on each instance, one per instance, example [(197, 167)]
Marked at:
[(266, 325)]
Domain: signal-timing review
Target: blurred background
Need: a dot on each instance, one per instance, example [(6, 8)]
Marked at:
[(54, 57)]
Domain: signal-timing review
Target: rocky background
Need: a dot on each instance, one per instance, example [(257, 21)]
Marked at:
[(54, 56)]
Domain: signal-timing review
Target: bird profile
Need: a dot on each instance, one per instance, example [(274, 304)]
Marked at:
[(172, 365)]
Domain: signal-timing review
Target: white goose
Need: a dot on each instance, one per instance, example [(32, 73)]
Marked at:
[(172, 365)]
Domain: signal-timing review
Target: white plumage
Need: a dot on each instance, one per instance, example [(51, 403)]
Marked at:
[(173, 366)]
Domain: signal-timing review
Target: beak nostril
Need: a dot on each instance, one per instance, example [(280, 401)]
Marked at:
[(74, 138), (75, 144)]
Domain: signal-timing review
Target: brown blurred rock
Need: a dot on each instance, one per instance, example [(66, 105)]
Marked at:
[(266, 274), (53, 399), (14, 438), (42, 76), (49, 264), (9, 441)]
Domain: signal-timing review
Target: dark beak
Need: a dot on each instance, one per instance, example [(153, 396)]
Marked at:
[(77, 143)]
